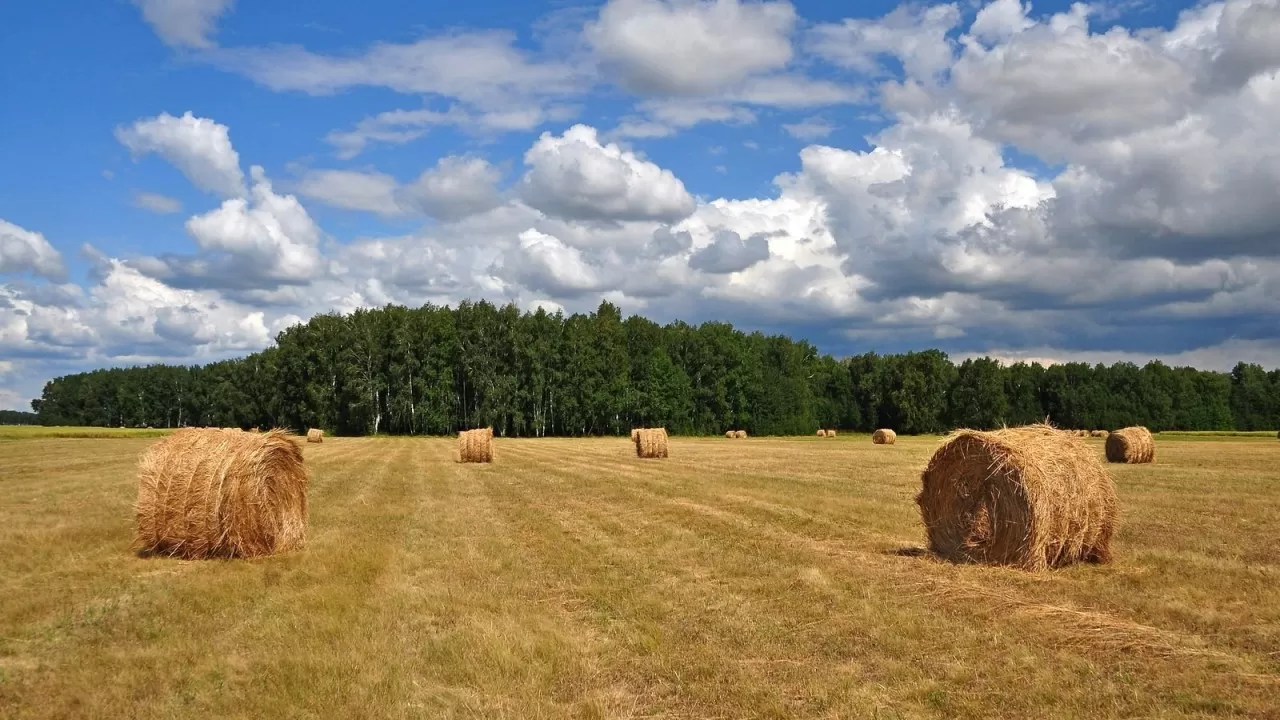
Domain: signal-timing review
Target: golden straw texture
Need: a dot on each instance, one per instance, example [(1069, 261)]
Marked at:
[(222, 493), (1031, 497)]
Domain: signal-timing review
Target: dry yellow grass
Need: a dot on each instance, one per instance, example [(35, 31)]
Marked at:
[(769, 579)]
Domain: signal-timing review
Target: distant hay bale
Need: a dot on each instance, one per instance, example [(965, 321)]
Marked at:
[(315, 435), (731, 434), (206, 493), (822, 433), (1031, 497), (1131, 445), (831, 433), (741, 434), (651, 443), (1098, 433), (884, 436), (476, 446)]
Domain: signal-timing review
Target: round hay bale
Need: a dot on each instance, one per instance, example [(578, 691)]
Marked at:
[(741, 434), (1031, 497), (315, 435), (1098, 433), (1131, 445), (476, 446), (884, 436), (651, 443), (206, 493), (731, 434), (822, 433), (634, 433), (831, 433)]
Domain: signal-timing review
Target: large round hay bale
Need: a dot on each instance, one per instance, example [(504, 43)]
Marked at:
[(651, 443), (822, 433), (221, 493), (634, 433), (884, 436), (731, 434), (1098, 433), (315, 435), (476, 446), (1131, 445), (740, 434), (1031, 497)]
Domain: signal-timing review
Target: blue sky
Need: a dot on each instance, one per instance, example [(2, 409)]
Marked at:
[(182, 178)]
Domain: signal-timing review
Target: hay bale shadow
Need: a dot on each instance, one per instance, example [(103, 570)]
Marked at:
[(910, 551)]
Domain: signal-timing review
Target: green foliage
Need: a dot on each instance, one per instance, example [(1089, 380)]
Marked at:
[(17, 417), (436, 370)]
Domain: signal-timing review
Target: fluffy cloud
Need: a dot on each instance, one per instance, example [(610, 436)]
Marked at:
[(574, 176), (184, 22), (128, 316), (484, 69), (916, 35), (25, 251), (352, 190), (457, 187), (255, 244), (199, 147), (666, 47), (729, 252), (548, 265)]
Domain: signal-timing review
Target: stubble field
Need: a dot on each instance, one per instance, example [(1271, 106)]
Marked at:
[(738, 578)]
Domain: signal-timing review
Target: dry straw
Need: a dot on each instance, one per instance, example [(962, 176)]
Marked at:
[(831, 433), (1031, 497), (822, 433), (651, 443), (315, 435), (740, 434), (731, 434), (634, 433), (1098, 433), (884, 436), (221, 493), (476, 446), (1131, 445)]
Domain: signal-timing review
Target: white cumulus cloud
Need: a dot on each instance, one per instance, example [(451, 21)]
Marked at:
[(199, 147)]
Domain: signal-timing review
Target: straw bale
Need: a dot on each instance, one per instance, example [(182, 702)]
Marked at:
[(1131, 445), (651, 443), (315, 435), (206, 493), (884, 436), (476, 446), (1031, 497)]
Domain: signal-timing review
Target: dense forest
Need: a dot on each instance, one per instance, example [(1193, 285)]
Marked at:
[(16, 417), (435, 370)]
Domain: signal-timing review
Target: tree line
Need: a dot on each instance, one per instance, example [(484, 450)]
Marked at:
[(435, 370)]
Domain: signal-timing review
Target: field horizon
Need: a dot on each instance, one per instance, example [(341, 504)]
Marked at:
[(767, 577)]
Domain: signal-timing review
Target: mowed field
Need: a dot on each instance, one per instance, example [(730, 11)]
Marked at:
[(736, 579)]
